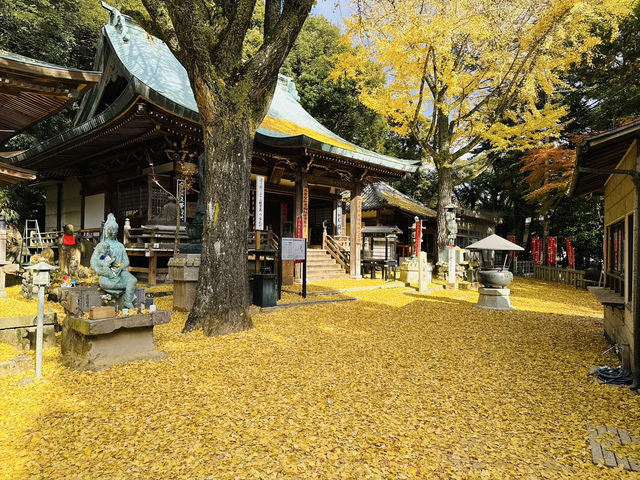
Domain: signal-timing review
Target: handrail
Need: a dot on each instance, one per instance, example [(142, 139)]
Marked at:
[(268, 239), (336, 250)]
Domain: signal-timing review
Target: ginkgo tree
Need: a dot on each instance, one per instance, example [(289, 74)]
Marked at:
[(464, 72)]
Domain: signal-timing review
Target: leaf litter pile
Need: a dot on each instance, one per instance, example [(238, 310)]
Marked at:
[(393, 385)]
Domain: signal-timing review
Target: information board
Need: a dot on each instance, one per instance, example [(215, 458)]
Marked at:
[(293, 248)]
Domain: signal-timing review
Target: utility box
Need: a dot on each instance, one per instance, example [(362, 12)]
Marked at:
[(265, 292)]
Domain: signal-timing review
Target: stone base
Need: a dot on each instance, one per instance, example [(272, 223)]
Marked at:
[(494, 298), (184, 270), (409, 273), (20, 364), (21, 331), (98, 344), (451, 286)]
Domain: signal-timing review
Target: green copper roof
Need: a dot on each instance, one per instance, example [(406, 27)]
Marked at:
[(157, 75)]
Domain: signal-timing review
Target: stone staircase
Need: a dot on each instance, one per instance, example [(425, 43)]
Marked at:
[(320, 266)]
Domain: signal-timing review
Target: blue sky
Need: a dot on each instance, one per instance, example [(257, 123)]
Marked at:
[(334, 10)]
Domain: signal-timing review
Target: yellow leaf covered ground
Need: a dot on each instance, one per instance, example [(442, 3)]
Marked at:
[(394, 385)]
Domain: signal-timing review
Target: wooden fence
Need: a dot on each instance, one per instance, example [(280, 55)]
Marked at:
[(560, 275)]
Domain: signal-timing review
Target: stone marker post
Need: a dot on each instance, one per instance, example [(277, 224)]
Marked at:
[(41, 278), (424, 273), (452, 268)]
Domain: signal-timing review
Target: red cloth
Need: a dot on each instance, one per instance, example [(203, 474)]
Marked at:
[(68, 239)]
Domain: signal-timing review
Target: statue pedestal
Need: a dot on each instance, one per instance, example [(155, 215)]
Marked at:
[(79, 300), (410, 271), (494, 298), (183, 272), (98, 344)]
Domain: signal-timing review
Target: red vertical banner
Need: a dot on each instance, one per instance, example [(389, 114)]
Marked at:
[(305, 212), (536, 250), (512, 239), (552, 248), (299, 227), (571, 254), (572, 257), (418, 237)]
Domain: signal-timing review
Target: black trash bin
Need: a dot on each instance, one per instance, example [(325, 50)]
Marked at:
[(265, 292)]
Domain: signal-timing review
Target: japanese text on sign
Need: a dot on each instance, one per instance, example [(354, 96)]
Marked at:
[(293, 248), (259, 203)]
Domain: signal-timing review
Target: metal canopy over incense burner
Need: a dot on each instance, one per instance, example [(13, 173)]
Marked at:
[(493, 294)]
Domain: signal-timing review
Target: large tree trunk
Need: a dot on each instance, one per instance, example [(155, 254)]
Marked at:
[(222, 299), (445, 193)]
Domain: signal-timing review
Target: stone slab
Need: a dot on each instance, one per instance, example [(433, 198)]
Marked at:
[(19, 364), (24, 338), (26, 321), (104, 326), (601, 453)]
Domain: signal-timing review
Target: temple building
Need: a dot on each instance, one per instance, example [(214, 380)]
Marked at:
[(141, 121), (608, 164)]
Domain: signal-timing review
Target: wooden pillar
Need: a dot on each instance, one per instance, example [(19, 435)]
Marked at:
[(59, 207), (300, 210), (355, 219)]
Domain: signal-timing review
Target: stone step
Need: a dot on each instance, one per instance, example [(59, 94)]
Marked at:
[(321, 278)]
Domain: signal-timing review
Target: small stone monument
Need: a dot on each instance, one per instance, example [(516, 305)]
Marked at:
[(184, 269), (5, 266), (494, 294)]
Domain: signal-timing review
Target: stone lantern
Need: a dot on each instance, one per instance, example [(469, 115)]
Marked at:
[(494, 295), (41, 278)]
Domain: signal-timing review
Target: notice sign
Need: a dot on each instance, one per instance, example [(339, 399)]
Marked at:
[(339, 219), (259, 203), (293, 248)]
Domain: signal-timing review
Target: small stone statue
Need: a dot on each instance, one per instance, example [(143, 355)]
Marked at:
[(68, 249), (110, 261), (450, 221)]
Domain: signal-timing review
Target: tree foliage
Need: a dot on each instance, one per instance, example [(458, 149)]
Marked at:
[(463, 72), (335, 104), (606, 90), (548, 174)]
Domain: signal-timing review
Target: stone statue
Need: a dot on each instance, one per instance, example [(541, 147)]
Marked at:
[(450, 222), (68, 249), (110, 261), (167, 215)]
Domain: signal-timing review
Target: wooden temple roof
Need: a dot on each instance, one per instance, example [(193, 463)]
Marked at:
[(380, 195), (10, 174), (31, 90), (157, 103), (602, 152)]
